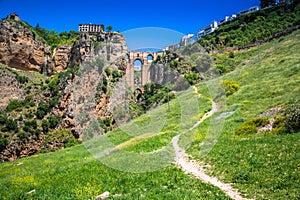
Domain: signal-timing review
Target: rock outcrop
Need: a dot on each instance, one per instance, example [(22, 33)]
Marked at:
[(20, 47), (61, 57), (9, 88)]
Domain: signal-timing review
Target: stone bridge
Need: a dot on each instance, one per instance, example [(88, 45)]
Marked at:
[(146, 59)]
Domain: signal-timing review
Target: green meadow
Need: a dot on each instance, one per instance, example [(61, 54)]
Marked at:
[(260, 165)]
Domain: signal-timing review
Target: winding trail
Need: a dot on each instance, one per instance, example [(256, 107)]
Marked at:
[(182, 160)]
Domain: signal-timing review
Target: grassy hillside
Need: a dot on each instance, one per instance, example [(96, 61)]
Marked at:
[(265, 166)]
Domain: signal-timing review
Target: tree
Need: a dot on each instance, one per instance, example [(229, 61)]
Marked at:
[(109, 28), (45, 126), (267, 3)]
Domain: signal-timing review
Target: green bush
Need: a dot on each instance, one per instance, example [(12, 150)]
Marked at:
[(230, 87), (3, 119), (54, 121), (45, 126), (20, 118), (251, 126), (31, 124), (71, 142), (231, 55), (288, 121), (12, 125), (23, 136), (222, 68), (13, 104), (26, 128), (279, 125), (42, 110), (60, 136), (107, 71), (22, 79), (105, 124), (291, 115), (192, 77), (116, 75), (3, 143)]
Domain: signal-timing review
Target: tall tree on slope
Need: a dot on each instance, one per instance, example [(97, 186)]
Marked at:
[(266, 3)]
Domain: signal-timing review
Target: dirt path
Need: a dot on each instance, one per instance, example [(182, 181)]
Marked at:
[(194, 168)]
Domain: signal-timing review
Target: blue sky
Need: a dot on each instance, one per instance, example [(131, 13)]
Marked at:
[(177, 16)]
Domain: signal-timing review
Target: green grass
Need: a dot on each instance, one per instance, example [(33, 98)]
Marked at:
[(74, 174), (261, 165)]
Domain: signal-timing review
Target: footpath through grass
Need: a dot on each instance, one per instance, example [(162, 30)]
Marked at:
[(74, 173), (263, 166)]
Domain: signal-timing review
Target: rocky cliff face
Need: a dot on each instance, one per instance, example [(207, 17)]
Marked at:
[(60, 58), (9, 88), (109, 47), (20, 47)]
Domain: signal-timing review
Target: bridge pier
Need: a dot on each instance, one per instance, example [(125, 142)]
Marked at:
[(146, 59)]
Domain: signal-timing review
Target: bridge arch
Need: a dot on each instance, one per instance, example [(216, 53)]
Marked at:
[(150, 57), (145, 58), (138, 62)]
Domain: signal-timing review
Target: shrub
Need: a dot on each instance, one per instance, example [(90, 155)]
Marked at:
[(116, 75), (26, 128), (222, 68), (20, 118), (105, 124), (13, 104), (3, 119), (246, 129), (279, 125), (22, 79), (292, 118), (31, 124), (192, 77), (60, 136), (3, 143), (12, 125), (23, 136), (71, 142), (230, 87), (231, 55), (42, 110), (45, 126), (54, 121), (107, 71), (251, 126)]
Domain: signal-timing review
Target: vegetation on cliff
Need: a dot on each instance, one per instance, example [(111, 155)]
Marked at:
[(256, 27), (54, 39)]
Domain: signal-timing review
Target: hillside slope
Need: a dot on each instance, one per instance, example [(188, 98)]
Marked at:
[(260, 165)]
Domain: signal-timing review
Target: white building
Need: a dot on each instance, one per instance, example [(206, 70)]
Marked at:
[(250, 10), (208, 29), (228, 19), (90, 28), (188, 39)]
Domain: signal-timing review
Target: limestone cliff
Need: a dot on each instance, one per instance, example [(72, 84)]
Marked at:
[(20, 47)]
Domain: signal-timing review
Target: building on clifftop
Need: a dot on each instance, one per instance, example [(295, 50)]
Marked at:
[(90, 28)]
